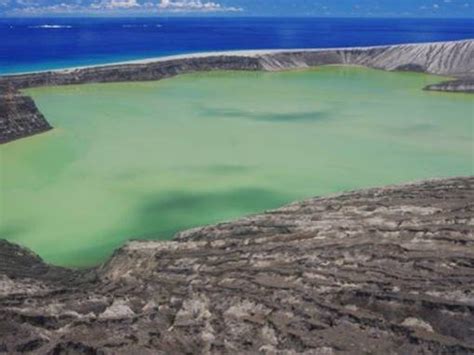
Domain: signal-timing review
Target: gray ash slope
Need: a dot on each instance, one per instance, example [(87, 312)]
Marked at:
[(455, 59), (387, 270)]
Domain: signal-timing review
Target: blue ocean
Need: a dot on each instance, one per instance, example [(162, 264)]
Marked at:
[(51, 43)]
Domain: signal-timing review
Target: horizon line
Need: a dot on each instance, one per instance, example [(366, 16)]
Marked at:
[(201, 15)]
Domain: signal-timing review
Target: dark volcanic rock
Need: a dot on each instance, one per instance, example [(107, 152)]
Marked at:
[(462, 85), (411, 67), (19, 263), (387, 270), (133, 72), (19, 116)]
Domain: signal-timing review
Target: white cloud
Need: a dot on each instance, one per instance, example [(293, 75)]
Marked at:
[(41, 7), (194, 5), (115, 4)]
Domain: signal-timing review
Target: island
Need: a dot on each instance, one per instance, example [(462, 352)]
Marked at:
[(20, 118), (380, 270)]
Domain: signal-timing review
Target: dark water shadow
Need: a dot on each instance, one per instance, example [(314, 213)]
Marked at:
[(414, 128), (217, 169), (12, 232), (271, 117), (160, 217)]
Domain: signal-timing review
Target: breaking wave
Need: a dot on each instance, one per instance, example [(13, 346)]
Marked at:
[(141, 26), (50, 26)]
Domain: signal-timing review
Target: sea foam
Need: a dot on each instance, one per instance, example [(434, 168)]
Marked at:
[(141, 26), (50, 26)]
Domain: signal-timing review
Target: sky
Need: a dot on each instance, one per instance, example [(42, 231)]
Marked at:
[(316, 8)]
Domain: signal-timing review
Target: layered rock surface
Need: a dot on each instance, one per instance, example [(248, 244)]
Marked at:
[(19, 116), (387, 270)]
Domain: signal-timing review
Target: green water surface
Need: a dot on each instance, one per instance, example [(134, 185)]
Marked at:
[(145, 160)]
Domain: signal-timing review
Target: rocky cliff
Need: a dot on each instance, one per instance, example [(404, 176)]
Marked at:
[(158, 70), (19, 116), (461, 85), (446, 58), (383, 271)]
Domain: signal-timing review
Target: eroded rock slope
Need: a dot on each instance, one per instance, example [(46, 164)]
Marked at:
[(384, 271), (442, 58)]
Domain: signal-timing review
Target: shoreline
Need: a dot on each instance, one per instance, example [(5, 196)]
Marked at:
[(262, 54), (206, 54), (448, 59)]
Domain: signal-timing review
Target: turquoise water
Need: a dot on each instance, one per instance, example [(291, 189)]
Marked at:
[(145, 160)]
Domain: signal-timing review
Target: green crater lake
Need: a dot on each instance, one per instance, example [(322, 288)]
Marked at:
[(145, 160)]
